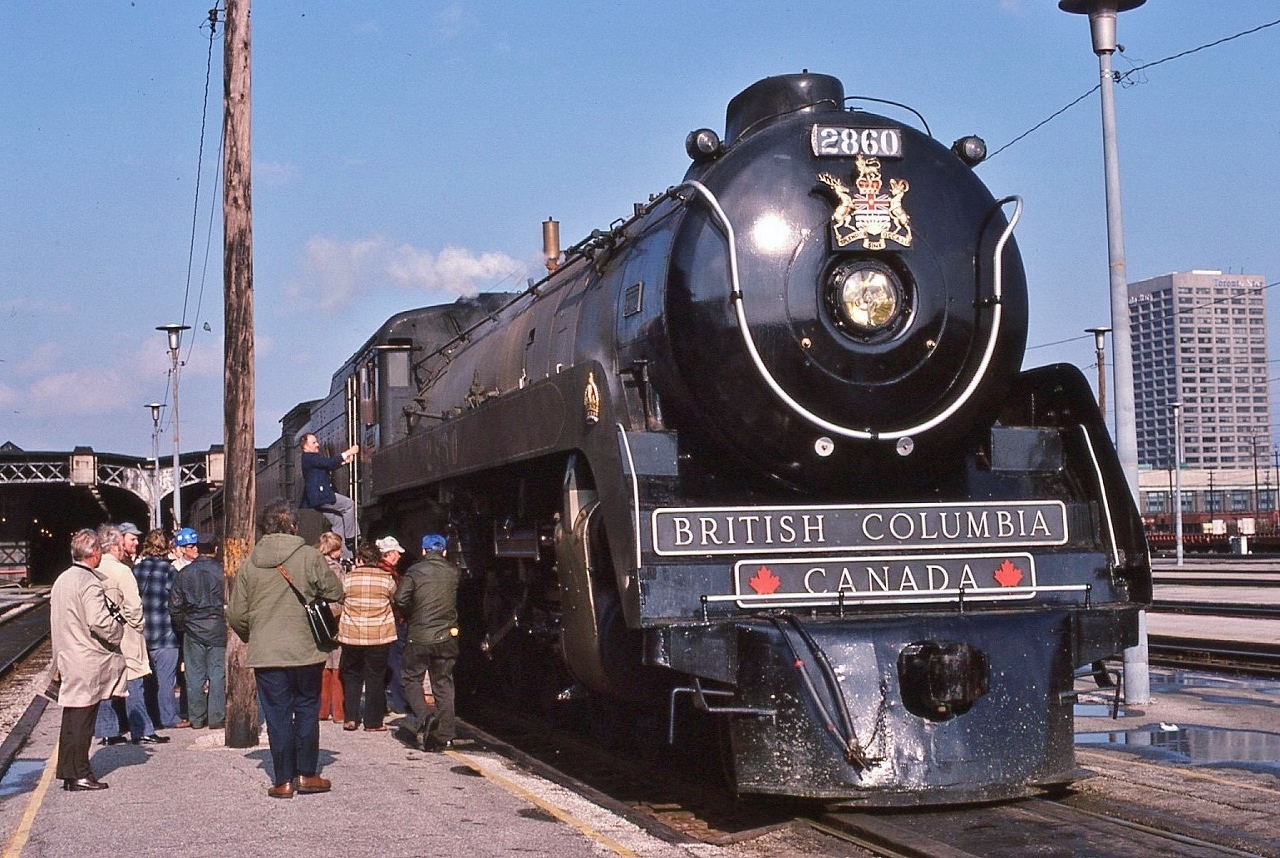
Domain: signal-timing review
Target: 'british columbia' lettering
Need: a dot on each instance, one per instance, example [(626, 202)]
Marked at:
[(790, 529)]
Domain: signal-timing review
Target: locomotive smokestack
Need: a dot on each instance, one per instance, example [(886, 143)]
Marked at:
[(770, 101), (551, 244)]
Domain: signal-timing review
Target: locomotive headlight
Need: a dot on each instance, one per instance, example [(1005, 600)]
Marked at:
[(866, 295)]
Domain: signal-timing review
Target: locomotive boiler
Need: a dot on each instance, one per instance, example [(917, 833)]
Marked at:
[(763, 454)]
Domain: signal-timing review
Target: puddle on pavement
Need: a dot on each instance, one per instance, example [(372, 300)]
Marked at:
[(23, 775), (1246, 749), (1180, 680), (1097, 710)]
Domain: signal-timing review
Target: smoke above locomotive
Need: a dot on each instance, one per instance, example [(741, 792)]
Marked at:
[(763, 452)]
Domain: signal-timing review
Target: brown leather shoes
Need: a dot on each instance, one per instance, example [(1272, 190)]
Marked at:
[(284, 790), (311, 783)]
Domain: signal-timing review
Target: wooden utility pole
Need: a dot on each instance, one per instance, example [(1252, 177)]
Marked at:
[(237, 277)]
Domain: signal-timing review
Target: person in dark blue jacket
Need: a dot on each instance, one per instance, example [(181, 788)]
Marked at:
[(318, 494)]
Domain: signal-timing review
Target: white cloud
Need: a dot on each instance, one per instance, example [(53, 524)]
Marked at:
[(334, 272), (40, 359), (451, 20), (273, 174)]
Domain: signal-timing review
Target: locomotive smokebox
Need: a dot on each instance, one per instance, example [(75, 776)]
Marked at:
[(776, 98), (845, 302)]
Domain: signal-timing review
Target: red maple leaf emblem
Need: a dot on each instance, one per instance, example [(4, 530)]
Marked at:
[(764, 581), (1008, 575)]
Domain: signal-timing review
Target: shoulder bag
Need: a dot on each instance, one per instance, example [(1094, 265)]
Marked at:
[(320, 618)]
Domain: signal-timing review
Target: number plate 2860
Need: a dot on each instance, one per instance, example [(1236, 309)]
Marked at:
[(831, 141)]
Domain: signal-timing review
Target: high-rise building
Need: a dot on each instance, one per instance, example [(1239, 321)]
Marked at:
[(1200, 338)]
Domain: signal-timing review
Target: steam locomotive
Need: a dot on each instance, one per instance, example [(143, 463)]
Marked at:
[(762, 455)]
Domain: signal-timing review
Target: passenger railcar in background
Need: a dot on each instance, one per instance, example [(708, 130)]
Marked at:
[(764, 452)]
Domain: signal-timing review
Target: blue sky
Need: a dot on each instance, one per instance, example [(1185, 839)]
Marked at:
[(405, 152)]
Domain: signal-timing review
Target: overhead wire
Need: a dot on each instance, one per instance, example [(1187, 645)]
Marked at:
[(1128, 77), (1179, 312), (212, 23)]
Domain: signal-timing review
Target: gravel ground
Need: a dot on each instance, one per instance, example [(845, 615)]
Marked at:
[(17, 689)]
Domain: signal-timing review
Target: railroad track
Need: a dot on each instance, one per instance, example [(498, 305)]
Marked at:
[(1255, 657), (1216, 609), (1130, 808), (24, 625), (1042, 827)]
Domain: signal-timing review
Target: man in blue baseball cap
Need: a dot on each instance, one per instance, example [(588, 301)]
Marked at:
[(428, 596), (184, 547)]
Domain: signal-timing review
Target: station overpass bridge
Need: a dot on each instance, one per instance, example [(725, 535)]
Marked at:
[(45, 496)]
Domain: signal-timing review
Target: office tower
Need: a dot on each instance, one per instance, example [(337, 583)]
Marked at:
[(1200, 337)]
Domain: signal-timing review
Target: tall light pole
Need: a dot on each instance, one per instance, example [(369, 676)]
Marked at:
[(155, 462), (175, 343), (1102, 29), (1177, 479)]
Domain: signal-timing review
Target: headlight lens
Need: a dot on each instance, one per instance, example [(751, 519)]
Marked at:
[(867, 296)]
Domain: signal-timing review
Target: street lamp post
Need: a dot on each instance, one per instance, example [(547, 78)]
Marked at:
[(1100, 348), (1102, 29), (175, 343), (1177, 479), (1257, 500), (155, 462), (1275, 503)]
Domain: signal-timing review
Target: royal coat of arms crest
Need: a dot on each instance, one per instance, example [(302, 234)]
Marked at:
[(868, 215)]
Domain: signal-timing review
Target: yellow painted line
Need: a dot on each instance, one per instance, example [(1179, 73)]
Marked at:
[(22, 833), (1190, 774), (560, 814)]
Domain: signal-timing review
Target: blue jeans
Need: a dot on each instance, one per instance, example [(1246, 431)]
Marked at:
[(135, 707), (205, 663), (290, 701), (164, 663), (395, 658)]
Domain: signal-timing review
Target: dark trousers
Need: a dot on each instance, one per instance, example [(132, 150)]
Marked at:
[(437, 660), (364, 667), (74, 739), (290, 701), (395, 661)]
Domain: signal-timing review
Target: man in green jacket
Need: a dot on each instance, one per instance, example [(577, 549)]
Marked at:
[(428, 596), (265, 612)]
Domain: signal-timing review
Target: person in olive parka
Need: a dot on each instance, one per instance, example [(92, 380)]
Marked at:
[(264, 611)]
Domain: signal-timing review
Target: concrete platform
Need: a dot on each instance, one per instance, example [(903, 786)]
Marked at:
[(196, 797)]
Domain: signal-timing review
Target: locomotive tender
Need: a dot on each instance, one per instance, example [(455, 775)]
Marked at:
[(763, 453)]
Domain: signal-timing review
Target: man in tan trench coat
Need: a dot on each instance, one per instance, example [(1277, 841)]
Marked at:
[(86, 629)]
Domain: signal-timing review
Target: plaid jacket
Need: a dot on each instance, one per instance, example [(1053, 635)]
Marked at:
[(366, 608), (155, 576)]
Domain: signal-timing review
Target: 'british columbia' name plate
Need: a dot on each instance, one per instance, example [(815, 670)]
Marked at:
[(792, 529)]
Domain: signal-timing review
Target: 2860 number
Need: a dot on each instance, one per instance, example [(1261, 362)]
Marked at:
[(836, 142)]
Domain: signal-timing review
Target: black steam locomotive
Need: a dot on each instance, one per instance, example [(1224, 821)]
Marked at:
[(763, 454)]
